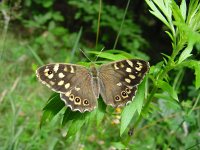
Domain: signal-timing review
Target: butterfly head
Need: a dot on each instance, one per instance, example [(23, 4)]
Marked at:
[(93, 70)]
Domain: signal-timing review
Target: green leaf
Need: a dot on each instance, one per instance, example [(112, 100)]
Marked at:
[(125, 54), (101, 110), (58, 16), (177, 13), (108, 55), (193, 64), (76, 43), (186, 52), (129, 111), (118, 145), (183, 9), (70, 115), (76, 125), (47, 3), (170, 35), (156, 12), (197, 75), (54, 105), (168, 88), (140, 96)]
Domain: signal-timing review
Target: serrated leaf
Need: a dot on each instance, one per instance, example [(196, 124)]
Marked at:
[(155, 11), (54, 105), (193, 64), (183, 9), (129, 111), (177, 12), (170, 35), (168, 88), (186, 53)]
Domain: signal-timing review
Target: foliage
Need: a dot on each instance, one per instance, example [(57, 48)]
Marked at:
[(165, 111)]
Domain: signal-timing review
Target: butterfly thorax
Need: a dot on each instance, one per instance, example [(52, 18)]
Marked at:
[(94, 71), (95, 80)]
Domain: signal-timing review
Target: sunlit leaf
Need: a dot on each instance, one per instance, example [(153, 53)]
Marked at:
[(197, 75), (54, 105), (76, 125), (109, 56), (101, 110), (183, 9), (168, 88), (129, 111)]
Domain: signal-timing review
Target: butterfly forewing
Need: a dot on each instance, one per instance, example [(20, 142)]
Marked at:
[(74, 82), (82, 97), (59, 77), (119, 80)]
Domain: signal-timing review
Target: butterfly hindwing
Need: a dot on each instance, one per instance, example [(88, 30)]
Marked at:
[(82, 97), (71, 82), (119, 80)]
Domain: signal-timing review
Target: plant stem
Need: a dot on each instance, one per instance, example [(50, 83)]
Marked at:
[(99, 18), (117, 38)]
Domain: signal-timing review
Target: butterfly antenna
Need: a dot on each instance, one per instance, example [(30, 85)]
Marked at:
[(86, 55), (99, 54)]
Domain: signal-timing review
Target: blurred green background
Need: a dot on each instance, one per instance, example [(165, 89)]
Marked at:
[(37, 32)]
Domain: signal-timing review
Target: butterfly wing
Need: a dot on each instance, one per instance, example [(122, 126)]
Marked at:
[(119, 80), (73, 82)]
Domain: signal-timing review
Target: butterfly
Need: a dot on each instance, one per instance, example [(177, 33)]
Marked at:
[(80, 87)]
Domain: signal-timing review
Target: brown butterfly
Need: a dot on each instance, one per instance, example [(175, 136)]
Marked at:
[(80, 87)]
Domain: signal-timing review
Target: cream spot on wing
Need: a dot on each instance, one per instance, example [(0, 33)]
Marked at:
[(130, 63), (52, 83), (50, 76), (68, 93), (121, 65), (128, 91), (61, 82), (140, 66), (71, 97), (72, 69), (85, 102), (119, 84), (115, 66), (61, 75), (132, 76), (117, 98), (46, 74), (130, 87), (77, 101), (65, 69), (128, 70), (56, 67), (46, 70), (77, 88), (67, 85), (127, 80)]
